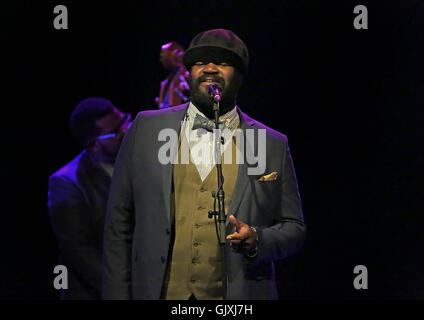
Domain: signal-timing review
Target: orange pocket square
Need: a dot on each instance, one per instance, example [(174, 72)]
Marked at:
[(269, 177)]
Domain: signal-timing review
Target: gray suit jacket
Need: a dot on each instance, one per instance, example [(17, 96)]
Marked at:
[(137, 228)]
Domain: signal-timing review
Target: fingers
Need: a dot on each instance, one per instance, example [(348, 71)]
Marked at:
[(235, 241), (242, 239), (241, 242), (238, 225), (242, 231), (237, 236), (233, 221)]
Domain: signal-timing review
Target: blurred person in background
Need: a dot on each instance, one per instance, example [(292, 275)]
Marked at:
[(174, 90), (78, 194)]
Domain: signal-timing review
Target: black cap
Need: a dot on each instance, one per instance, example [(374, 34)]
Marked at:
[(218, 45)]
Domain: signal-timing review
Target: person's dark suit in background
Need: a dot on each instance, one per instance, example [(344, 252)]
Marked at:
[(78, 194), (159, 242)]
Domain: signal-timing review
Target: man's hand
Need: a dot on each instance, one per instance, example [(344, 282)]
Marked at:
[(244, 239)]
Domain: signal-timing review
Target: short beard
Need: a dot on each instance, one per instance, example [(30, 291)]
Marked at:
[(204, 102)]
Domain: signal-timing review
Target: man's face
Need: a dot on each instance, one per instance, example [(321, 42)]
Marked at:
[(203, 74), (113, 123)]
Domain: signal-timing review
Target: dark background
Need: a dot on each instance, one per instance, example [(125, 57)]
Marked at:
[(349, 101)]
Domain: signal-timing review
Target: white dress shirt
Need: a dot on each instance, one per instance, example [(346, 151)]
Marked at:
[(201, 142)]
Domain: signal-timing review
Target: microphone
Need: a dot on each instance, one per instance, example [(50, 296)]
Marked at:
[(215, 92)]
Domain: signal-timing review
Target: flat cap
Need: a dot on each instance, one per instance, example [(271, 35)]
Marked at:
[(217, 45)]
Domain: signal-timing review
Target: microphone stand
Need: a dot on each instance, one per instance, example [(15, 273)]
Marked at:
[(221, 197)]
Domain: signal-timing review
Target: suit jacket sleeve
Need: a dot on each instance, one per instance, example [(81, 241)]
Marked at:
[(286, 235), (71, 223), (119, 224)]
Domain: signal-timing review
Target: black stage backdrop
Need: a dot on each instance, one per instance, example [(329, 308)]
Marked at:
[(349, 101)]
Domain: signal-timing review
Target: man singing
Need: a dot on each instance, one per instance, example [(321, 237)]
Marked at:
[(159, 242)]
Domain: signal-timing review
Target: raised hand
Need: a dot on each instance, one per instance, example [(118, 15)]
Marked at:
[(244, 239)]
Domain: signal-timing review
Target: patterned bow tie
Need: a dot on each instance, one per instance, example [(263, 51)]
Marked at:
[(204, 123)]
